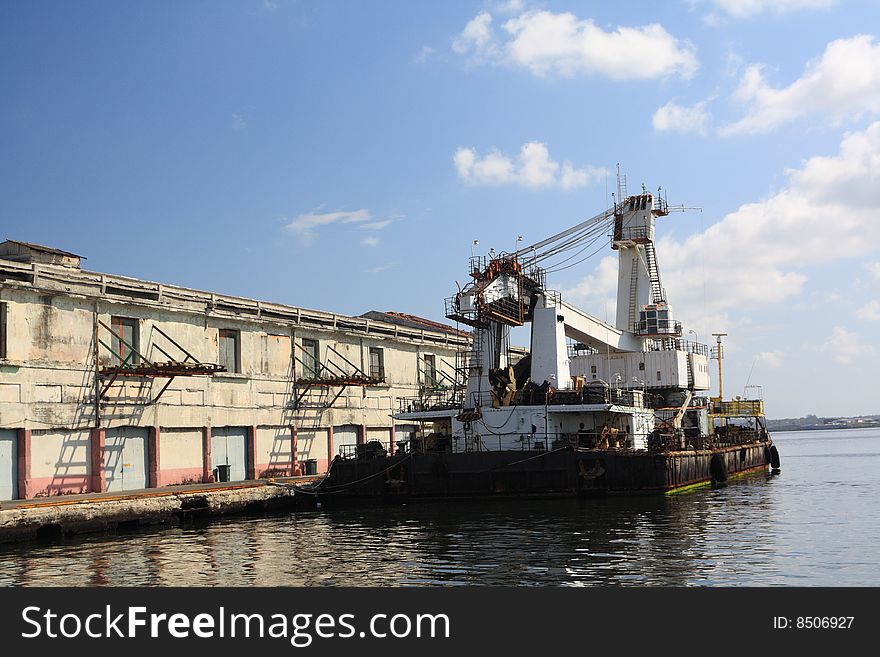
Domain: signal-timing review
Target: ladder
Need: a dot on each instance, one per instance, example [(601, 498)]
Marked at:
[(657, 293), (633, 293)]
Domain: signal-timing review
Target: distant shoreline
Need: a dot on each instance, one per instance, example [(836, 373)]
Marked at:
[(820, 428)]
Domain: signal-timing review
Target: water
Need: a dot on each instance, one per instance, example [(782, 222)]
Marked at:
[(815, 524)]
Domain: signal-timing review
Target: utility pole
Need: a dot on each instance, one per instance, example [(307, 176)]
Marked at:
[(719, 355)]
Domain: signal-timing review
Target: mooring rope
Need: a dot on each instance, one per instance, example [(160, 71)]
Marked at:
[(341, 487)]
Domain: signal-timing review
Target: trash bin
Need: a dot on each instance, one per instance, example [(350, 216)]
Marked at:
[(310, 467), (223, 472)]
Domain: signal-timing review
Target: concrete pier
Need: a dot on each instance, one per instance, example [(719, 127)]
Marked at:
[(50, 517)]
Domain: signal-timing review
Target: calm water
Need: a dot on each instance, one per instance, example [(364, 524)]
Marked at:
[(817, 523)]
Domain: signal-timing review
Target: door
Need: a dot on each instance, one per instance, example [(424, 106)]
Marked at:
[(229, 447), (8, 464), (345, 438), (125, 458)]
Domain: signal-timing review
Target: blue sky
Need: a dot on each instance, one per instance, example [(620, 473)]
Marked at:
[(344, 155)]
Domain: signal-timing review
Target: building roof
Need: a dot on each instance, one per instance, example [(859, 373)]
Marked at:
[(44, 249), (413, 321)]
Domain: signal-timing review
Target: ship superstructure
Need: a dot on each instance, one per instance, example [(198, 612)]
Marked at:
[(633, 384), (592, 406)]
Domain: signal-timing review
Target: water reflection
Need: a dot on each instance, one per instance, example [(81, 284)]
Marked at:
[(815, 524)]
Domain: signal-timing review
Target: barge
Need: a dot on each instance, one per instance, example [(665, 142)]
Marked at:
[(593, 408)]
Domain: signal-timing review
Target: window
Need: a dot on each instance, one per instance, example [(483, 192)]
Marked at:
[(593, 371), (230, 350), (126, 341), (430, 371), (311, 363), (658, 375), (3, 307), (377, 363)]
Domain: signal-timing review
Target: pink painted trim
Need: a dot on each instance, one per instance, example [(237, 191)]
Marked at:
[(174, 476), (96, 447), (50, 486), (207, 475), (392, 436), (24, 463), (362, 434), (295, 462), (277, 469), (329, 446), (250, 472), (153, 475)]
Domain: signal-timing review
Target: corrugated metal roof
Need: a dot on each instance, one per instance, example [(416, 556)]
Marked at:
[(45, 249), (413, 321)]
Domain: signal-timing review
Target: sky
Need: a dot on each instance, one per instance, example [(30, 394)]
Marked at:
[(345, 155)]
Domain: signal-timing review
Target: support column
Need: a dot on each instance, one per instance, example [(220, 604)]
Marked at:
[(294, 464), (24, 464), (207, 474), (362, 434), (153, 474), (329, 446), (98, 475), (392, 434), (251, 469)]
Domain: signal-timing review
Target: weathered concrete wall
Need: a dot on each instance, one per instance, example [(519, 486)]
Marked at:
[(312, 444), (274, 452), (47, 380), (181, 455), (108, 513), (60, 462)]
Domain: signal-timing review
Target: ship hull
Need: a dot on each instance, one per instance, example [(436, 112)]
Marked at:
[(560, 473)]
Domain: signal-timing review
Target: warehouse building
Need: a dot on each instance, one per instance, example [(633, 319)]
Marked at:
[(110, 383)]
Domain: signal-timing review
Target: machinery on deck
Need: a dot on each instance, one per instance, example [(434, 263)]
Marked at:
[(612, 407)]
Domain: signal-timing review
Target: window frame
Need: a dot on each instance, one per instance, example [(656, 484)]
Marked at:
[(235, 334), (118, 356), (379, 372), (431, 381), (311, 371)]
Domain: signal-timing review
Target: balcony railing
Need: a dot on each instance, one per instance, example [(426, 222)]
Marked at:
[(659, 327)]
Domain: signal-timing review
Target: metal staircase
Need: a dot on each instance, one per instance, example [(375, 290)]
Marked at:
[(658, 295), (633, 293)]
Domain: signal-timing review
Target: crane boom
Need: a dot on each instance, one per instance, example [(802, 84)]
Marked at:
[(569, 231)]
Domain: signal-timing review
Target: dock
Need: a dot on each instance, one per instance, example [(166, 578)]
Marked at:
[(62, 515)]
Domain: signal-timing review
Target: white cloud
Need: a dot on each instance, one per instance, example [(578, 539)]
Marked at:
[(377, 269), (510, 6), (546, 43), (597, 292), (477, 37), (843, 82), (370, 241), (758, 254), (673, 117), (844, 347), (303, 226), (532, 167), (239, 122), (773, 359), (749, 8), (870, 311), (424, 54), (874, 268), (376, 225)]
